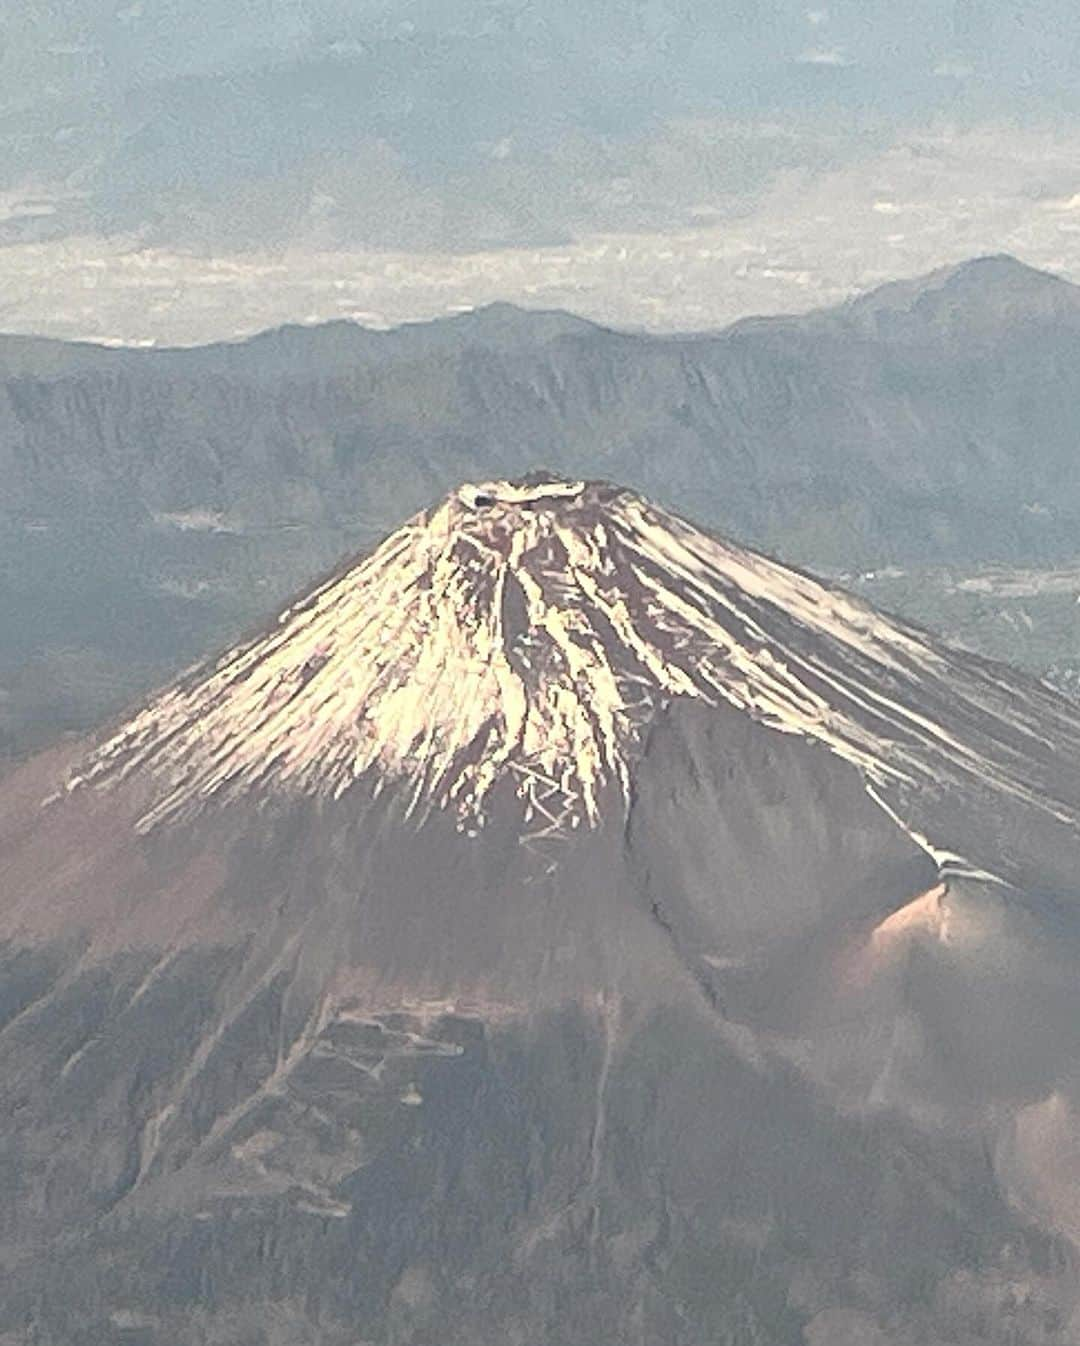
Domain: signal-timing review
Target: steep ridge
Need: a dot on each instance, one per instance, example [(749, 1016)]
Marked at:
[(562, 925)]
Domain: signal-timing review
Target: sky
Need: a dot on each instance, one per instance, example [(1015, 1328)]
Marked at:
[(174, 171)]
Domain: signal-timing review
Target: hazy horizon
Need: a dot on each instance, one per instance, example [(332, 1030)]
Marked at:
[(174, 175), (376, 323)]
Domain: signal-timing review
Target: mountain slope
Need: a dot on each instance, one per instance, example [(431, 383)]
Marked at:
[(166, 498), (562, 925)]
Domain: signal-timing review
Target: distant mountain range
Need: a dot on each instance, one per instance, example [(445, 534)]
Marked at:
[(156, 502)]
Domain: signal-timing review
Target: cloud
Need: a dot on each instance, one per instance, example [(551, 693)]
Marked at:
[(823, 56), (492, 126), (346, 48), (15, 206)]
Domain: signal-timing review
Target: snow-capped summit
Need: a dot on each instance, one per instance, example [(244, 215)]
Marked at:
[(530, 631)]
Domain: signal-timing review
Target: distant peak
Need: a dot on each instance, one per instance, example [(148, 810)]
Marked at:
[(993, 269), (982, 288), (502, 316), (517, 638), (1001, 263), (499, 310)]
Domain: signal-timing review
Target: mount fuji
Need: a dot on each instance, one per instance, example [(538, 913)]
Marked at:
[(561, 926)]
